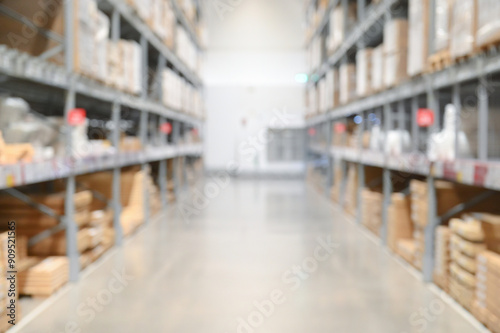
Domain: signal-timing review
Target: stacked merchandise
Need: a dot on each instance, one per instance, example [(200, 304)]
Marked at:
[(171, 196), (377, 66), (406, 248), (132, 185), (486, 307), (332, 88), (337, 179), (418, 26), (173, 87), (364, 71), (338, 26), (186, 49), (347, 83), (488, 26), (314, 54), (188, 7), (470, 236), (322, 96), (312, 101), (44, 277), (442, 258), (463, 28), (399, 225), (124, 64), (372, 201), (442, 27), (351, 191), (395, 52)]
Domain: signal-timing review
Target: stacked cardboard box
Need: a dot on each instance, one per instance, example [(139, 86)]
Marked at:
[(463, 28), (442, 25), (364, 72), (338, 24), (124, 63), (486, 307), (372, 209), (399, 220), (406, 249), (418, 26), (443, 257), (395, 51), (377, 65), (488, 26), (332, 88), (347, 91), (45, 277), (351, 190)]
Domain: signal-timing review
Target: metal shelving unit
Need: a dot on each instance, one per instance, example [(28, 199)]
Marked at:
[(402, 102), (36, 74)]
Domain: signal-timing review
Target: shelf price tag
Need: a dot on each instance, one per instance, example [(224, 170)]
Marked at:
[(77, 117), (480, 174), (425, 117)]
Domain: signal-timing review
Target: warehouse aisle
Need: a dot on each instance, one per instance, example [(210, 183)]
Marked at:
[(261, 256)]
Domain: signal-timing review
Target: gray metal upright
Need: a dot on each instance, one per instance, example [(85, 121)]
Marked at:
[(432, 223), (387, 182), (176, 131), (361, 172), (455, 92), (162, 169), (70, 102), (115, 136), (116, 190), (143, 126), (329, 171), (414, 125), (483, 108)]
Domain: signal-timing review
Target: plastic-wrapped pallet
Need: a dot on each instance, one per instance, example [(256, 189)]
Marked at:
[(332, 88), (442, 25), (418, 26), (347, 83), (337, 31), (364, 72), (488, 25), (377, 74), (463, 31)]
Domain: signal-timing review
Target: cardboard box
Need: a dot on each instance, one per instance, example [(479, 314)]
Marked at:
[(464, 27), (395, 36), (332, 88), (418, 35), (399, 225), (488, 25), (378, 63), (395, 68), (347, 83), (364, 72)]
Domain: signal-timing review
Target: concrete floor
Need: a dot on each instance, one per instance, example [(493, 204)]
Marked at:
[(263, 257)]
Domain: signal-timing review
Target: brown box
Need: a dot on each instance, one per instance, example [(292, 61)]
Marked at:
[(400, 225), (347, 83), (396, 37)]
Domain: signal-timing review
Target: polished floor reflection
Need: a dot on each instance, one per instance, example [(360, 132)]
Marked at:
[(258, 256)]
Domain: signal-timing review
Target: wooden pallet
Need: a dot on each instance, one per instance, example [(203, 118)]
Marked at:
[(439, 61)]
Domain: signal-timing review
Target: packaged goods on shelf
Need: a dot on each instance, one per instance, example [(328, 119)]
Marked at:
[(378, 64), (347, 83), (337, 179), (337, 25), (312, 98), (487, 305), (377, 138), (463, 28), (186, 50), (406, 250), (364, 72), (399, 220), (442, 257), (488, 26), (172, 89), (143, 8), (45, 277), (130, 143), (372, 209), (397, 142), (332, 88), (418, 35), (395, 36), (322, 96), (442, 25), (124, 64), (189, 9), (351, 192), (315, 54), (13, 32), (162, 21), (441, 146), (395, 68)]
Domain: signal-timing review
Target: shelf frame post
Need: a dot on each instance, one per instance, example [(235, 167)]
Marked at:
[(116, 186), (433, 222), (483, 109), (162, 169)]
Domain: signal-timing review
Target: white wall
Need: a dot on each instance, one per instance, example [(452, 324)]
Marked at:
[(254, 52)]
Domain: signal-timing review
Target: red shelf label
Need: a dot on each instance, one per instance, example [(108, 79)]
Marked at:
[(77, 117), (480, 173), (425, 117), (166, 128)]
